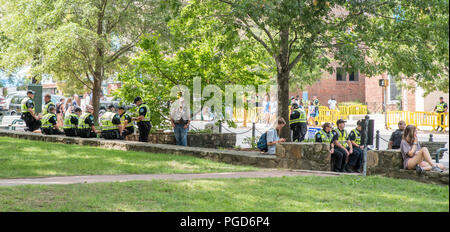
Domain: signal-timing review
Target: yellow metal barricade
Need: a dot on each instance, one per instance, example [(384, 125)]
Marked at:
[(327, 115), (418, 119)]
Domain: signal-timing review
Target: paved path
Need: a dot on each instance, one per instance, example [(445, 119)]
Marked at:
[(122, 178)]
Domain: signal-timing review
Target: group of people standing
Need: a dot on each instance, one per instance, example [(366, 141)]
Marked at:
[(77, 122)]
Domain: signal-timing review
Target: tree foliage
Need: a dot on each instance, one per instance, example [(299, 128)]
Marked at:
[(85, 40), (207, 49)]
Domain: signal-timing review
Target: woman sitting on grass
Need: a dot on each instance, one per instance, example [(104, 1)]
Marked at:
[(415, 157)]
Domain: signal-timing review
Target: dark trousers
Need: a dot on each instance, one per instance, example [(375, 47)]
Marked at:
[(86, 133), (31, 123), (338, 159), (71, 132), (127, 131), (441, 121), (51, 131), (144, 131), (111, 134), (355, 159), (299, 131)]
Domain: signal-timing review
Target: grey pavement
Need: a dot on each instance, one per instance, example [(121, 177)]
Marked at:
[(62, 180)]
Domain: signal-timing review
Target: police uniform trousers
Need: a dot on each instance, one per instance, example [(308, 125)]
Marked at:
[(51, 131), (338, 159), (144, 130), (31, 123), (86, 133), (110, 134), (303, 129), (355, 159), (127, 131), (71, 132), (295, 127)]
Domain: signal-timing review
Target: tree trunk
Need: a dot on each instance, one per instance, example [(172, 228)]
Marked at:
[(283, 82), (283, 102), (96, 96)]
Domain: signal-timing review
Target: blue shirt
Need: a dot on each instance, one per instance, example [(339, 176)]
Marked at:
[(272, 136)]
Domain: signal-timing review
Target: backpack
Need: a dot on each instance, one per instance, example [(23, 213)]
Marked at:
[(262, 142)]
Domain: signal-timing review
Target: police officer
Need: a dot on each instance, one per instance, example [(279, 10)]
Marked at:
[(111, 108), (441, 108), (86, 125), (32, 120), (297, 122), (325, 136), (71, 122), (110, 125), (143, 120), (49, 122), (127, 126), (48, 103), (342, 147), (354, 162)]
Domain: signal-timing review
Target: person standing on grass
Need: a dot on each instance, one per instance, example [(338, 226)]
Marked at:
[(272, 136), (180, 119), (143, 120), (414, 156), (396, 136)]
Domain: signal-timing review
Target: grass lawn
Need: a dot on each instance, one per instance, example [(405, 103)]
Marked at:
[(26, 158), (311, 193)]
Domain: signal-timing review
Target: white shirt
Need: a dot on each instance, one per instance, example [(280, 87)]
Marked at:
[(180, 111), (332, 104)]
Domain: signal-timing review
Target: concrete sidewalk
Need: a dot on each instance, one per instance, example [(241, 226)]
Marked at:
[(148, 177)]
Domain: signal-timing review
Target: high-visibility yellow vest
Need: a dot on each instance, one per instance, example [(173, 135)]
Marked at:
[(106, 121), (147, 114), (357, 136), (440, 107), (24, 107), (45, 120), (81, 123), (301, 118), (342, 137), (326, 138), (122, 120), (45, 109), (67, 121)]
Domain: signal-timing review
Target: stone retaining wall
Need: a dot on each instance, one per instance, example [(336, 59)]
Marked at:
[(208, 140), (305, 156)]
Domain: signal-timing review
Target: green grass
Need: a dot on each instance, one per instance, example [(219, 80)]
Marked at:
[(310, 193), (26, 158)]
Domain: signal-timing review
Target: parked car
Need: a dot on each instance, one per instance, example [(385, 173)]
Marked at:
[(16, 101)]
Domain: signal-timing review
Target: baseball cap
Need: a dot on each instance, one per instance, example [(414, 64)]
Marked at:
[(137, 99), (30, 91), (340, 121)]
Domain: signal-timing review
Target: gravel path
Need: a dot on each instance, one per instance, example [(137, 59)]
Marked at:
[(147, 177)]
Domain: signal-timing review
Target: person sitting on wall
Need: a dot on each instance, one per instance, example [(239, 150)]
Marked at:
[(396, 136), (414, 156), (273, 136), (325, 136), (355, 138), (49, 122)]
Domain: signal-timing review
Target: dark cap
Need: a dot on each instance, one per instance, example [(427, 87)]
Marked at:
[(137, 99), (30, 91), (111, 106), (340, 121), (294, 105), (121, 108), (77, 109)]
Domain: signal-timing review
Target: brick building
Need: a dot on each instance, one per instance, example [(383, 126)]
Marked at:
[(354, 86)]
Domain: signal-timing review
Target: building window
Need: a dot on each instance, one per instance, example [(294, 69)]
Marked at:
[(394, 91), (340, 74), (353, 76)]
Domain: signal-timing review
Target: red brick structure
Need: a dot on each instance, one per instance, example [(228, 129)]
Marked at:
[(356, 87)]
